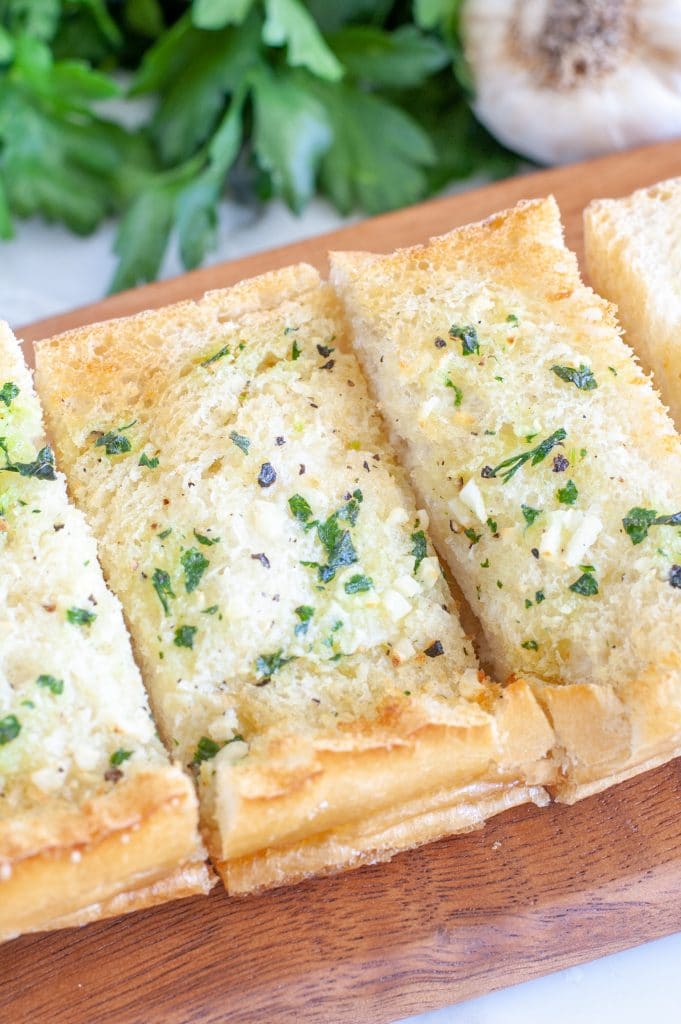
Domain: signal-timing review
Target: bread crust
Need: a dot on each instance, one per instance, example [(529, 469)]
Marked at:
[(604, 731)]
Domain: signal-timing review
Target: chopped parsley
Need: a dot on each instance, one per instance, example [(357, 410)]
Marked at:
[(119, 756), (539, 596), (114, 442), (304, 613), (458, 393), (8, 392), (206, 541), (160, 581), (300, 508), (582, 378), (512, 319), (80, 616), (42, 468), (638, 521), (10, 727), (530, 514), (211, 611), (146, 461), (468, 336), (586, 585), (55, 686), (472, 536), (336, 541), (206, 749), (567, 495), (184, 636), (509, 467), (165, 533), (530, 645), (194, 565), (419, 548), (267, 664), (220, 354), (492, 523), (240, 441), (358, 584), (485, 564), (613, 371), (295, 351)]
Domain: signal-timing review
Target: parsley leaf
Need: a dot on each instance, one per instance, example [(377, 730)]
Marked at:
[(115, 442), (536, 455), (267, 664), (458, 393), (206, 749), (55, 686), (160, 581), (468, 336), (289, 23), (146, 461), (300, 508), (530, 514), (240, 441), (184, 636), (419, 548), (638, 521), (194, 565), (567, 495), (80, 616), (358, 584), (42, 468), (10, 727), (8, 392), (401, 59), (582, 378), (206, 541), (119, 756), (586, 585)]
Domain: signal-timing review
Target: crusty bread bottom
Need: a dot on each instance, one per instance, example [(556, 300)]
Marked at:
[(378, 838)]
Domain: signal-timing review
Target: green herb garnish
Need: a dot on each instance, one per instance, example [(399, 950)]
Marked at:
[(10, 727), (539, 596), (224, 351), (267, 664), (146, 461), (240, 441), (468, 337), (458, 393), (115, 442), (419, 548), (472, 536), (160, 581), (638, 521), (80, 616), (119, 756), (586, 585), (194, 565), (582, 378), (55, 686), (358, 584), (165, 533), (206, 749), (530, 645), (42, 468), (530, 514), (304, 613), (8, 392), (295, 351), (184, 636), (534, 456), (567, 495), (206, 541), (300, 508)]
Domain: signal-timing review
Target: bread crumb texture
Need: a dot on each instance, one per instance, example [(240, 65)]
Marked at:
[(633, 249), (548, 465)]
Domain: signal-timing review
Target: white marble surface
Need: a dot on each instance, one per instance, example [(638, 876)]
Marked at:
[(45, 270)]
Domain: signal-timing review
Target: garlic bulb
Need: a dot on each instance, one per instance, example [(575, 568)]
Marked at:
[(561, 80)]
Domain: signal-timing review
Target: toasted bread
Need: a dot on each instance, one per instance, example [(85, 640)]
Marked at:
[(534, 440), (93, 819), (633, 251), (300, 647)]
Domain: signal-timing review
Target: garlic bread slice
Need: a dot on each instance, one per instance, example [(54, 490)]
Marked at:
[(93, 818), (550, 471), (301, 650)]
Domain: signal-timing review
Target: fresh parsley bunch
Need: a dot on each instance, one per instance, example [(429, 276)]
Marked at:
[(359, 100)]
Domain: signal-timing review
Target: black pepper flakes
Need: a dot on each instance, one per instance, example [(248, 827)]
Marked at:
[(675, 577), (560, 464), (57, 527), (435, 650), (487, 472), (440, 343), (329, 365), (366, 466), (535, 552), (280, 440), (267, 475), (262, 558), (301, 470), (113, 775), (324, 351)]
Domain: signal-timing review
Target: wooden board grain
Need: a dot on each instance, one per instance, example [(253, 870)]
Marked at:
[(534, 892)]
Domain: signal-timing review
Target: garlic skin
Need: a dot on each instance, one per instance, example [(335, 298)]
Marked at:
[(564, 80)]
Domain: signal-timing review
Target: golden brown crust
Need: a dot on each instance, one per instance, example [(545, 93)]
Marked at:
[(112, 849)]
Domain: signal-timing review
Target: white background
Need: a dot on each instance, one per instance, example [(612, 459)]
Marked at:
[(46, 270)]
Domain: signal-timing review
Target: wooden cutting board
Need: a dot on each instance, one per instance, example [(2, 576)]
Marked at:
[(533, 892)]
